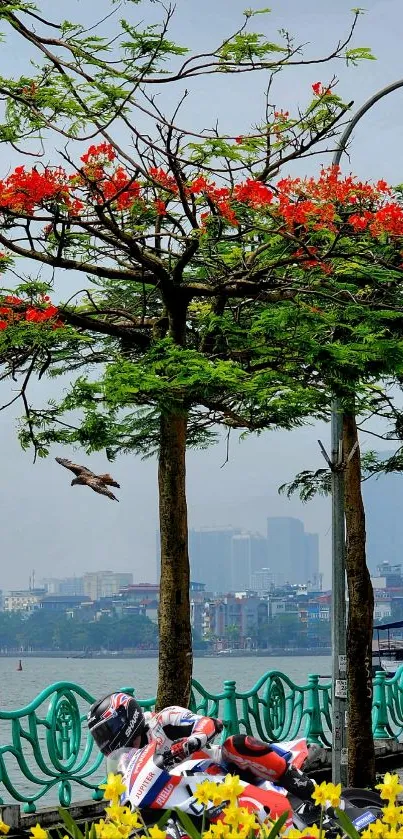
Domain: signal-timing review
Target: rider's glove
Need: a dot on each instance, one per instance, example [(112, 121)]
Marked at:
[(181, 749)]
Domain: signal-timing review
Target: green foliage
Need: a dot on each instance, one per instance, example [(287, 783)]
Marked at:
[(44, 630), (307, 485), (254, 12), (248, 45), (267, 337), (356, 54)]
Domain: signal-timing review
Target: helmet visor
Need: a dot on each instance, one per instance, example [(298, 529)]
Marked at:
[(112, 733)]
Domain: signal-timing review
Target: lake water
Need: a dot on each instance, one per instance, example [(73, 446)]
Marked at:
[(99, 676)]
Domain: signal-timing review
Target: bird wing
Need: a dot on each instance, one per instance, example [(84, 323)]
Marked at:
[(99, 487), (107, 479), (74, 467)]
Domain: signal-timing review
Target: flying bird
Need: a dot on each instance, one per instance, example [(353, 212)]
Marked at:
[(85, 477)]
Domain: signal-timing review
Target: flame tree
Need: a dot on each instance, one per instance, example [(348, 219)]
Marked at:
[(214, 290)]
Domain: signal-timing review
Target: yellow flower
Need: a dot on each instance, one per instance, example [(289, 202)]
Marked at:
[(390, 787), (334, 794), (376, 830), (123, 816), (319, 794), (231, 788), (232, 815), (156, 833), (4, 828), (103, 830), (314, 831), (327, 794), (38, 832), (391, 815), (203, 792), (216, 831), (248, 821), (132, 819), (394, 834), (115, 812), (217, 794), (113, 789)]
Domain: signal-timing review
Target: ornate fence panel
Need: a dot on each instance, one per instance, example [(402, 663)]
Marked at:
[(46, 747), (50, 747), (387, 706), (276, 709)]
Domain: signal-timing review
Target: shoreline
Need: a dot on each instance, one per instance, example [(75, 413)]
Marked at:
[(116, 654)]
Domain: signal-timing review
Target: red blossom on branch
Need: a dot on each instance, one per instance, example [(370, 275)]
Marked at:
[(160, 206), (163, 179), (102, 154), (254, 193), (14, 310), (322, 202)]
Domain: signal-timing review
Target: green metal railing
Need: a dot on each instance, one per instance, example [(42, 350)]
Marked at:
[(50, 749)]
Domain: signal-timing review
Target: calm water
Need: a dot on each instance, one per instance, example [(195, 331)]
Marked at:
[(99, 676)]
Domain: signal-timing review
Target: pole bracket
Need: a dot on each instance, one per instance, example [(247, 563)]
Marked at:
[(341, 464), (338, 466)]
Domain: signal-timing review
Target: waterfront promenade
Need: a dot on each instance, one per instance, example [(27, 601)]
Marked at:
[(47, 757)]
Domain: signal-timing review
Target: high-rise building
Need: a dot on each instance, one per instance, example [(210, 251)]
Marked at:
[(98, 584), (311, 567), (210, 552), (248, 554), (261, 580), (241, 565), (293, 554), (383, 502), (68, 586)]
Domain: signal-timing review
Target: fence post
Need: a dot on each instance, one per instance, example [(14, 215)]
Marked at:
[(314, 729), (230, 710), (381, 730)]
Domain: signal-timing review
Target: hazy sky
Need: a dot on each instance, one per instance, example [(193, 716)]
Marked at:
[(57, 530)]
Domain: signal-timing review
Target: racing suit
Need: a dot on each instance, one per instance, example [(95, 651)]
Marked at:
[(182, 732)]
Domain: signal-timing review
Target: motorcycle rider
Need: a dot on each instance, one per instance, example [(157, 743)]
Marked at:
[(118, 724)]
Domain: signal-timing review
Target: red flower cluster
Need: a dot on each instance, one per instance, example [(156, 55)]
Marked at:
[(319, 90), (329, 201), (120, 187), (163, 180), (199, 184), (14, 310), (22, 191), (254, 193), (160, 206), (96, 155)]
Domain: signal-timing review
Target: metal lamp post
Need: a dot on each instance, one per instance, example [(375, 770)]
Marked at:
[(339, 682)]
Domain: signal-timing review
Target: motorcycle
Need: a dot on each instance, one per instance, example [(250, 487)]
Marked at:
[(156, 781)]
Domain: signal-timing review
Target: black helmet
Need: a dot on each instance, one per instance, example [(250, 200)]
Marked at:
[(114, 721)]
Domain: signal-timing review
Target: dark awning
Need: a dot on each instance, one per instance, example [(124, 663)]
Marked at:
[(394, 625)]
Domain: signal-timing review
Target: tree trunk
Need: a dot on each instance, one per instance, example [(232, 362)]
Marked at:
[(361, 753), (175, 638)]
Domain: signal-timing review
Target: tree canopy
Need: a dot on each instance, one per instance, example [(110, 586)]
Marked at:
[(215, 287)]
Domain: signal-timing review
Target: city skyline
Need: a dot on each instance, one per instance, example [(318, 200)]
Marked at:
[(45, 524)]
